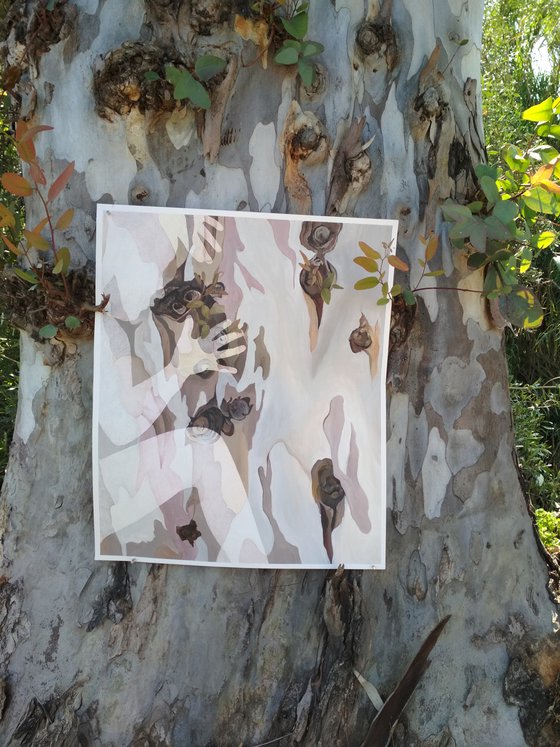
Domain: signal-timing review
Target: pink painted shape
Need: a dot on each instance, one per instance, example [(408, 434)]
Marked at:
[(355, 496)]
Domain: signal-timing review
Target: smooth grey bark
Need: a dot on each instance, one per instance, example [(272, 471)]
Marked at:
[(112, 654)]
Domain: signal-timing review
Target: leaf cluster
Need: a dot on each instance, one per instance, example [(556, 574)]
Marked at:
[(373, 262), (286, 23), (514, 217), (296, 50), (190, 86), (41, 239)]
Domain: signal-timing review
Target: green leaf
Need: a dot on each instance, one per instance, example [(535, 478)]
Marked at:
[(492, 282), (522, 308), (51, 5), (496, 229), (514, 158), (452, 211), (540, 112), (366, 283), (525, 258), (369, 264), (478, 236), (396, 290), (475, 207), (209, 65), (326, 295), (48, 331), (462, 230), (505, 211), (539, 200), (545, 239), (434, 274), (186, 87), (549, 130), (484, 169), (477, 260), (488, 185), (311, 48), (297, 25), (286, 56), (72, 322), (409, 297), (29, 277), (306, 72), (383, 301), (151, 75), (63, 261)]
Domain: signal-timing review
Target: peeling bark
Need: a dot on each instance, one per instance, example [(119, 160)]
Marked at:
[(150, 655)]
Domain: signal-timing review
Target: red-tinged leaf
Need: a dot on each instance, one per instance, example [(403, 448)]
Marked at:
[(39, 227), (7, 218), (397, 263), (61, 181), (16, 184), (37, 174), (12, 247), (21, 129), (32, 132), (37, 241), (431, 247), (65, 219), (544, 172), (26, 151), (368, 251)]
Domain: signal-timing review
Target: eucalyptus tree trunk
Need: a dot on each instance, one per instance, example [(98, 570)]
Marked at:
[(97, 653)]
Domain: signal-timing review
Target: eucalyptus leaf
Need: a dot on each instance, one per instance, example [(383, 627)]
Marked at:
[(29, 277), (287, 56), (540, 200), (296, 26), (454, 212), (209, 65), (505, 211), (546, 239), (72, 322), (477, 260), (311, 48), (369, 264), (541, 112), (186, 87), (48, 331), (488, 185), (306, 72), (484, 169), (496, 229), (521, 308), (409, 297), (366, 283), (478, 235)]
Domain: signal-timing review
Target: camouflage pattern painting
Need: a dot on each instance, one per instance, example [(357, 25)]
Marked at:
[(239, 390)]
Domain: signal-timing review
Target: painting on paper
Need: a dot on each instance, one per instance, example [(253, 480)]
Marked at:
[(239, 404)]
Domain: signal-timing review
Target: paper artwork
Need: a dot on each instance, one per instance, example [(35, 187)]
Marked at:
[(239, 391)]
